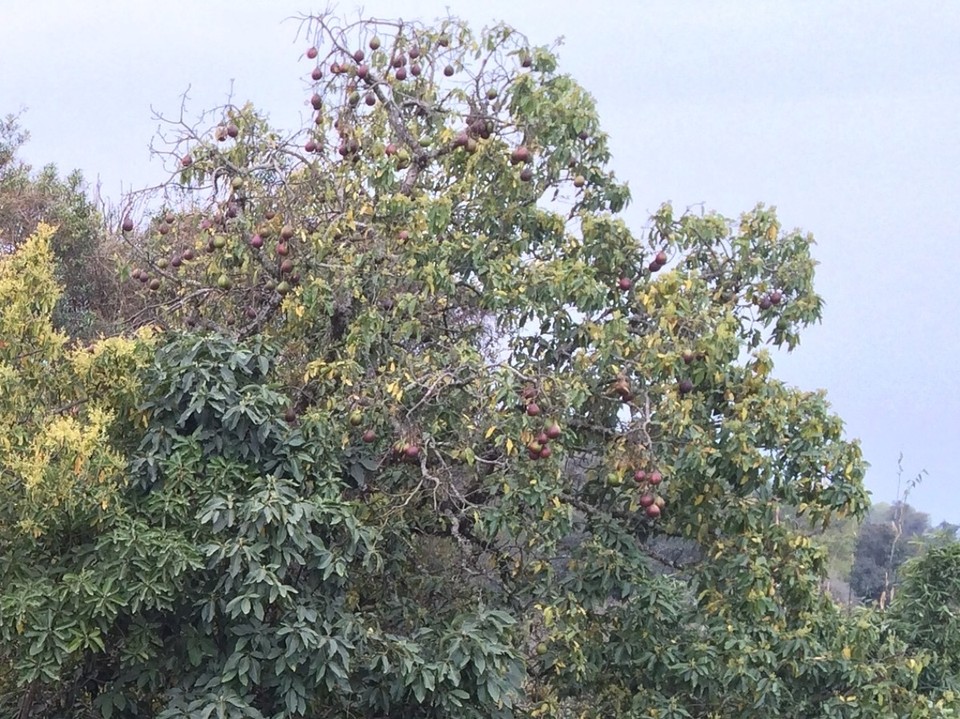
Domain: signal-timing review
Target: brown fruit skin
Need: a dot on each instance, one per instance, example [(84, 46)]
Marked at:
[(374, 43), (359, 55), (448, 71), (290, 415), (401, 74), (312, 52), (403, 236), (646, 500), (186, 161), (688, 356), (286, 266), (579, 181), (535, 448), (640, 476), (369, 436), (533, 409), (317, 73), (526, 175), (127, 224), (545, 453), (283, 250), (521, 154), (553, 431), (532, 454), (624, 283), (316, 101), (154, 284), (685, 386), (776, 297), (542, 438), (412, 451), (233, 130), (661, 258), (655, 478), (653, 511)]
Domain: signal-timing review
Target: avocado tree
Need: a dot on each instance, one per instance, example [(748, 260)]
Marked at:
[(427, 430)]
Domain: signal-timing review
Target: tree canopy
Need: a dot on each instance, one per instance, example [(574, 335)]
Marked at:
[(402, 419)]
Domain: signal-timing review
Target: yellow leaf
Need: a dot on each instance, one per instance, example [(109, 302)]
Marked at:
[(847, 653), (489, 432)]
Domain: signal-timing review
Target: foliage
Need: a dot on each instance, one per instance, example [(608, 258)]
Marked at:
[(926, 613), (431, 432), (894, 534), (84, 267)]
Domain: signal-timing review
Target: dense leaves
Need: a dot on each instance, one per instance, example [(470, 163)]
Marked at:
[(417, 426), (84, 265)]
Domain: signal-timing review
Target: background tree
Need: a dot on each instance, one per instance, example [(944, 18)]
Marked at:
[(85, 268), (894, 534), (430, 432)]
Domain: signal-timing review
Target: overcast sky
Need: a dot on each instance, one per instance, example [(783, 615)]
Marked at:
[(845, 115)]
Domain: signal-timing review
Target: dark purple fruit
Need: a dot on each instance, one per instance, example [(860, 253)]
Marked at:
[(521, 154)]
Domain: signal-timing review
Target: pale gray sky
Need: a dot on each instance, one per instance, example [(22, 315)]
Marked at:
[(843, 114)]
